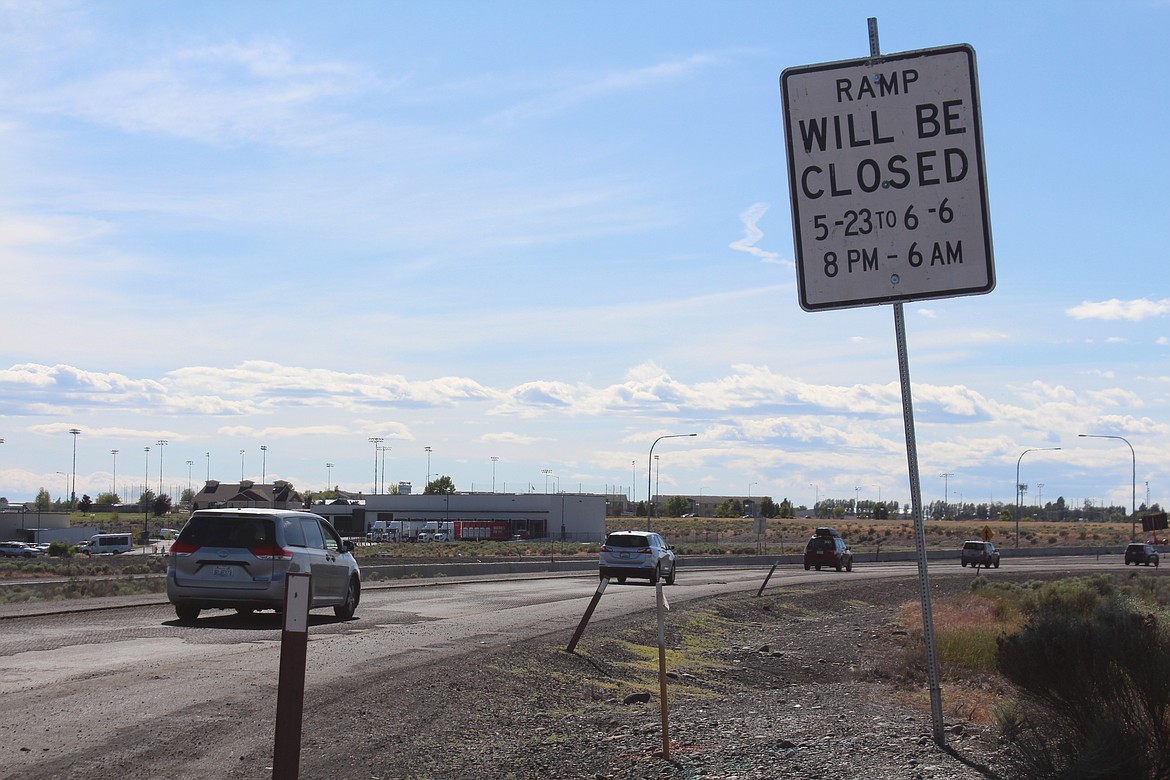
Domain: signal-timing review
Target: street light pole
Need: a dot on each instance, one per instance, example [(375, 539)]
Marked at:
[(328, 476), (649, 470), (1133, 477), (161, 443), (73, 497), (494, 460), (1018, 491), (263, 464), (376, 440), (115, 454)]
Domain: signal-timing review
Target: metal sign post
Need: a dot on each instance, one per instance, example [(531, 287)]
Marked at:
[(889, 204)]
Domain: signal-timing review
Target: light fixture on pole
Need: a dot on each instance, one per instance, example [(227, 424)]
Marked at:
[(328, 476), (190, 465), (428, 482), (494, 461), (1133, 477), (241, 466), (546, 472), (73, 495), (263, 464), (208, 456), (1018, 486), (649, 469)]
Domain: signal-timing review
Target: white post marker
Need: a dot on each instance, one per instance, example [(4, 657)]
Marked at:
[(663, 605), (290, 694)]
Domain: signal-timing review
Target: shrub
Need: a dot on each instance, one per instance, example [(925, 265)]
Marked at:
[(1094, 700)]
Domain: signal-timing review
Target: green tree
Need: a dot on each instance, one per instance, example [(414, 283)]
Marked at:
[(677, 506), (86, 503), (785, 509), (768, 507), (43, 501), (145, 500), (440, 486), (107, 499), (160, 505)]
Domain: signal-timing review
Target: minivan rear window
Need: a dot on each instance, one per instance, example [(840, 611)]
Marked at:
[(228, 531), (627, 540)]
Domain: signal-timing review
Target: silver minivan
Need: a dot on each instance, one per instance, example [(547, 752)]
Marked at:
[(238, 558)]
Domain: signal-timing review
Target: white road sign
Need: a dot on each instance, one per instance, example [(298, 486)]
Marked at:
[(887, 179)]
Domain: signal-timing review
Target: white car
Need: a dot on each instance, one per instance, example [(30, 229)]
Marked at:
[(642, 554), (16, 549)]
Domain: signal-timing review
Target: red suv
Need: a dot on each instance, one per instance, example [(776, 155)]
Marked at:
[(827, 548)]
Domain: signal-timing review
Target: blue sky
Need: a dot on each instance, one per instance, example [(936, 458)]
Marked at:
[(550, 233)]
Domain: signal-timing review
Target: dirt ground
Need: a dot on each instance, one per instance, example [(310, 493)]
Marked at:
[(794, 684)]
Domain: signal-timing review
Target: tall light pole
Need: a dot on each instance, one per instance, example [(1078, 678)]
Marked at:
[(161, 443), (376, 440), (328, 476), (494, 461), (1018, 491), (208, 456), (146, 479), (115, 454), (384, 450), (546, 472), (241, 466), (428, 482), (657, 472), (73, 497), (263, 464), (190, 465), (816, 499), (649, 461), (946, 494), (1133, 495)]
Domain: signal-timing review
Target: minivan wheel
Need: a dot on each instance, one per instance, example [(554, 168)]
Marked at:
[(654, 576), (670, 577), (186, 613), (352, 596)]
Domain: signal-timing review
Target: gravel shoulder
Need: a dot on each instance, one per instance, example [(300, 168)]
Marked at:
[(794, 684)]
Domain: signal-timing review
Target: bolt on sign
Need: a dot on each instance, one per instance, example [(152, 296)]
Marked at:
[(887, 179)]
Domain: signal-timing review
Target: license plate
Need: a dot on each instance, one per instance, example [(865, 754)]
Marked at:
[(223, 571)]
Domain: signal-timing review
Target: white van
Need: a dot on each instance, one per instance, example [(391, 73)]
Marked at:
[(110, 543)]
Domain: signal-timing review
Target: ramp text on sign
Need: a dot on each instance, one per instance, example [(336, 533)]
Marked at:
[(887, 179)]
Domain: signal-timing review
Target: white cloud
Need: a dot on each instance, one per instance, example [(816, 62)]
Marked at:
[(752, 235), (1115, 309)]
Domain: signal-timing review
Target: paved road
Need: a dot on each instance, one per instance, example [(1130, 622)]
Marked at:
[(76, 685)]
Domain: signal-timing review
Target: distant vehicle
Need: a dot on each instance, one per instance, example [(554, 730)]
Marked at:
[(114, 544), (16, 549), (240, 558), (827, 548), (641, 554), (1141, 554), (978, 553)]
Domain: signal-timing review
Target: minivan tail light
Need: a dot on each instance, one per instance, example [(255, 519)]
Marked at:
[(183, 548), (271, 552)]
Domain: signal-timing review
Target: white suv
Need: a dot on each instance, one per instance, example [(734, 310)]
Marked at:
[(637, 554)]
